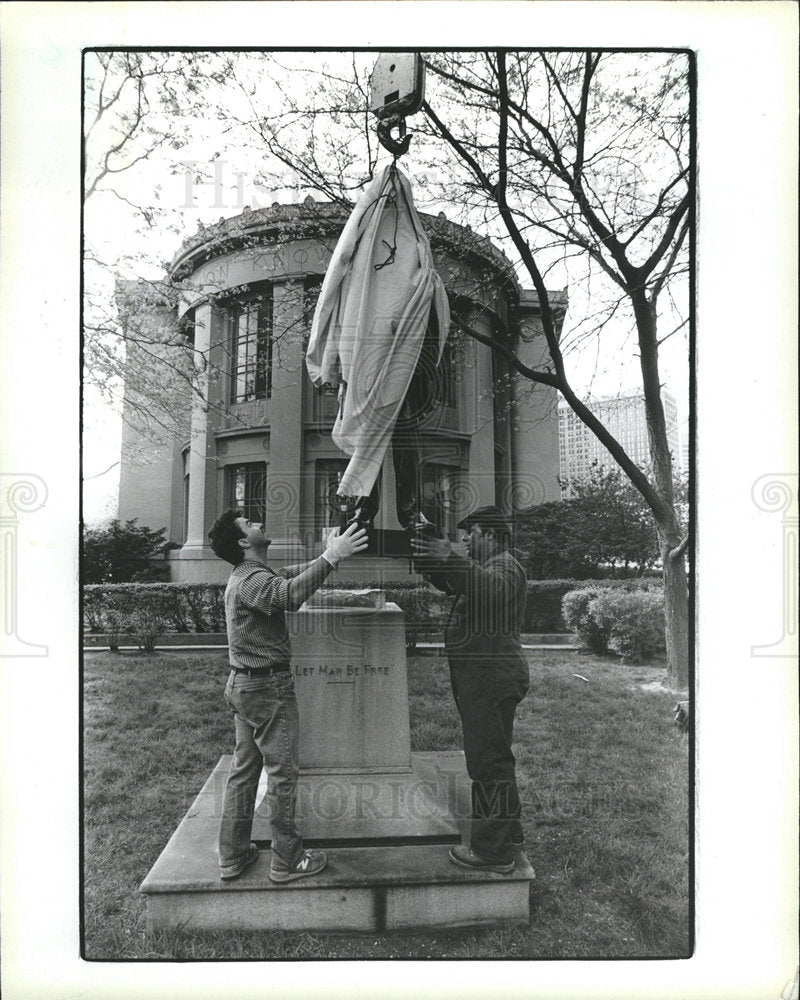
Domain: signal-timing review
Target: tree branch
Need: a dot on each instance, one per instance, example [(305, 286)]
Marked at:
[(671, 333), (646, 269), (654, 213), (679, 549), (662, 278), (458, 146), (97, 475), (588, 72), (543, 378)]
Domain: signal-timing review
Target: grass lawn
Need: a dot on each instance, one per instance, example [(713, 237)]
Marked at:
[(603, 775)]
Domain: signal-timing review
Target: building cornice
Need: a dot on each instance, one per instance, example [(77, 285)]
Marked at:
[(257, 228), (262, 227)]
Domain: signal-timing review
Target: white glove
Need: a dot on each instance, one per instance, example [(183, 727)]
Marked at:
[(341, 546)]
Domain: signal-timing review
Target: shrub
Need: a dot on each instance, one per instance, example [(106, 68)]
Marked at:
[(93, 608), (578, 617), (543, 607), (195, 598), (174, 608), (146, 626), (157, 571), (116, 619), (422, 605), (116, 625), (425, 607), (544, 610), (634, 623), (200, 607), (215, 607), (121, 552), (628, 621)]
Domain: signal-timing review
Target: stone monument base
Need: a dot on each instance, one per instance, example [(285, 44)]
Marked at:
[(384, 814), (410, 804), (381, 876)]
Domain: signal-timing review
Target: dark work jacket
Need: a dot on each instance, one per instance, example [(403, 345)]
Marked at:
[(487, 615)]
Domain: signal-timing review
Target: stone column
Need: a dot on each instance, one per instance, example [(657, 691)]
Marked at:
[(534, 418), (285, 480), (481, 446), (202, 464)]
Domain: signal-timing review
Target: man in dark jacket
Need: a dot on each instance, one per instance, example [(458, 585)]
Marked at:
[(489, 675)]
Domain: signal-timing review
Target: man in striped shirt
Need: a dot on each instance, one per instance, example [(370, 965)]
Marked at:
[(260, 691)]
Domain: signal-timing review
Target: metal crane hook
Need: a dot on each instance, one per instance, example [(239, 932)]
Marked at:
[(397, 90), (399, 146)]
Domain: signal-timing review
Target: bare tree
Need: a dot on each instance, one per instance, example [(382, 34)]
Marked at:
[(577, 151), (126, 95)]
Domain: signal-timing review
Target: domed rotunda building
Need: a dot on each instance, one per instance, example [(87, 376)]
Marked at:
[(257, 433)]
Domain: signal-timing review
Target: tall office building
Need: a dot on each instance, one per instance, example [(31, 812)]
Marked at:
[(686, 445), (624, 416)]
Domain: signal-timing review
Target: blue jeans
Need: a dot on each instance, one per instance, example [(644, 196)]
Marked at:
[(267, 729)]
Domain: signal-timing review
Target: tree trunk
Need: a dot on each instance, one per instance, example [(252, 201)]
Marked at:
[(676, 616), (676, 595)]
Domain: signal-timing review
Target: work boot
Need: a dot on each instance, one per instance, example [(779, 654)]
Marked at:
[(466, 858)]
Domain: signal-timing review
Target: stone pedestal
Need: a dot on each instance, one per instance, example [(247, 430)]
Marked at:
[(385, 814), (359, 780), (349, 668)]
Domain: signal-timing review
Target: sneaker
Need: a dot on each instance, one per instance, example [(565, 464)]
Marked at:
[(310, 863), (234, 871), (466, 858)]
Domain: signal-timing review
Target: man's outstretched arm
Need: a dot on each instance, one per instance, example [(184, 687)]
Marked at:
[(290, 572), (313, 574)]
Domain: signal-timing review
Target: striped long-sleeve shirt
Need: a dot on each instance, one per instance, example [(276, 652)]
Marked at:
[(256, 600)]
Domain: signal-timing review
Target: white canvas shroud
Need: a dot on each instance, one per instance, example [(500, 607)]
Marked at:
[(370, 322)]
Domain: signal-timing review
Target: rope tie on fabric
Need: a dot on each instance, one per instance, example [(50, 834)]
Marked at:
[(392, 200), (392, 248)]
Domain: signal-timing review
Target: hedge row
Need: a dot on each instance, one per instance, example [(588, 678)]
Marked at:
[(119, 609), (125, 608), (114, 608), (543, 612), (629, 623)]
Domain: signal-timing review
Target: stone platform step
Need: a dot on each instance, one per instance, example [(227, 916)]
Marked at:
[(363, 889), (393, 874)]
